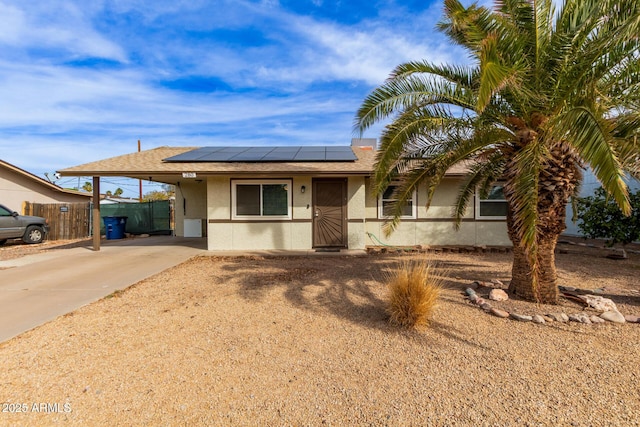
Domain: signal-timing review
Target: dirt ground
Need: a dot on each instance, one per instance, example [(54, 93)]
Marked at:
[(306, 341)]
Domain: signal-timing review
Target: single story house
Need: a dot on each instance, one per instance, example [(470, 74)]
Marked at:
[(298, 198), (18, 186)]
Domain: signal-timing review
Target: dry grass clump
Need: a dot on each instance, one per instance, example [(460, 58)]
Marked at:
[(414, 290)]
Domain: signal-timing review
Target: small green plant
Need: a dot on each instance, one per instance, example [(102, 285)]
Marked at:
[(115, 294), (414, 290)]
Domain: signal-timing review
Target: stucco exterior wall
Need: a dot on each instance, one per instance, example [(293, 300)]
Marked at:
[(191, 204), (227, 234), (15, 189), (431, 227), (434, 226)]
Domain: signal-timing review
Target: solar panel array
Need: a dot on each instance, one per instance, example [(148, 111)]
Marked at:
[(266, 154)]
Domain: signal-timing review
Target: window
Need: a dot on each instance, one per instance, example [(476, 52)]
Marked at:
[(494, 206), (386, 201), (264, 199)]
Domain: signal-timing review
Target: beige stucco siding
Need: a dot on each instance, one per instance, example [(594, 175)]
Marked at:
[(227, 234), (434, 226), (191, 203), (431, 227), (356, 212)]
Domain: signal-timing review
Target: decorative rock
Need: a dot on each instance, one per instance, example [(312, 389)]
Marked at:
[(580, 318), (538, 319), (485, 306), (473, 297), (498, 295), (597, 291), (596, 319), (480, 301), (521, 317), (547, 319), (559, 317), (599, 303), (631, 318), (469, 292), (497, 282), (613, 316), (499, 313)]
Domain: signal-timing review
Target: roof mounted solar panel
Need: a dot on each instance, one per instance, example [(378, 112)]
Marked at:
[(266, 154)]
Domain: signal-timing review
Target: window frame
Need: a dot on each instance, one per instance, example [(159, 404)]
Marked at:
[(479, 201), (261, 182), (414, 203)]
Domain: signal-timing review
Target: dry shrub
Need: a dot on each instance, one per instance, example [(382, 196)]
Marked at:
[(414, 290)]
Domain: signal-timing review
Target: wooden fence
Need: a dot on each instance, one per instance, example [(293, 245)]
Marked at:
[(66, 220)]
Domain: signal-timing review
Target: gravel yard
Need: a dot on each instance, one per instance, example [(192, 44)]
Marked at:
[(305, 341)]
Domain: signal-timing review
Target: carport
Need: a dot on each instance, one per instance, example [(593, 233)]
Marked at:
[(191, 196)]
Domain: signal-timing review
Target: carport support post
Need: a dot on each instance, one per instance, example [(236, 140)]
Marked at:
[(96, 213)]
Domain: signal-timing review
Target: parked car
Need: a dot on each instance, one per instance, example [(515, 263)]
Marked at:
[(31, 229)]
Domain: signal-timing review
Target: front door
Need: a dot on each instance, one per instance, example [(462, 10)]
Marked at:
[(330, 213)]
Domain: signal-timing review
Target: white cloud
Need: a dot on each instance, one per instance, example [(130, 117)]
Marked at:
[(63, 26), (12, 22)]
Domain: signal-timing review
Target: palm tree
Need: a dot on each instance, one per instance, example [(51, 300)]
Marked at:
[(545, 95)]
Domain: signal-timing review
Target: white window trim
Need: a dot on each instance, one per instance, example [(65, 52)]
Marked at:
[(414, 209), (236, 182), (479, 200)]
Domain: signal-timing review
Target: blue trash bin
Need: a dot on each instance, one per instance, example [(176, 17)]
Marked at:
[(114, 226)]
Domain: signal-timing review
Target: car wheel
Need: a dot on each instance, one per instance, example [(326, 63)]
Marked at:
[(34, 234), (3, 241)]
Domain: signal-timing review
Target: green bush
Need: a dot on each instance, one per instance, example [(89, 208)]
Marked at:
[(599, 217)]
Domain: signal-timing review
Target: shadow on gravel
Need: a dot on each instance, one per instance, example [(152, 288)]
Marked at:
[(350, 288)]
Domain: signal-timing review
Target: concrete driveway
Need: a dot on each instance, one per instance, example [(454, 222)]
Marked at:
[(38, 288)]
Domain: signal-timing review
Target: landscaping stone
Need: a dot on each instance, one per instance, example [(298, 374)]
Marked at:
[(486, 306), (480, 301), (498, 295), (538, 319), (521, 317), (473, 297), (559, 317), (469, 292), (547, 319), (499, 313), (631, 318), (497, 282), (596, 319), (613, 316), (599, 303), (580, 318)]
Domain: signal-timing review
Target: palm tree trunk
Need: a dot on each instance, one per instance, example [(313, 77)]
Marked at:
[(522, 285), (557, 182)]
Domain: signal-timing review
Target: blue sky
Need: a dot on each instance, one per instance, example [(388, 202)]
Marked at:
[(83, 80)]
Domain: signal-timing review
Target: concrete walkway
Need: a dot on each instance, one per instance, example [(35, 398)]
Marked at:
[(38, 288)]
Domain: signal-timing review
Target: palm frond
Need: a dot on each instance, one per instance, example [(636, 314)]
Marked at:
[(592, 140)]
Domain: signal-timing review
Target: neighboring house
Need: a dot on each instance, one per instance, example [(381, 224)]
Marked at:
[(18, 186), (112, 200), (299, 198)]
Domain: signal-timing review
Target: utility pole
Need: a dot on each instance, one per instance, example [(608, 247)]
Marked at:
[(140, 181)]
